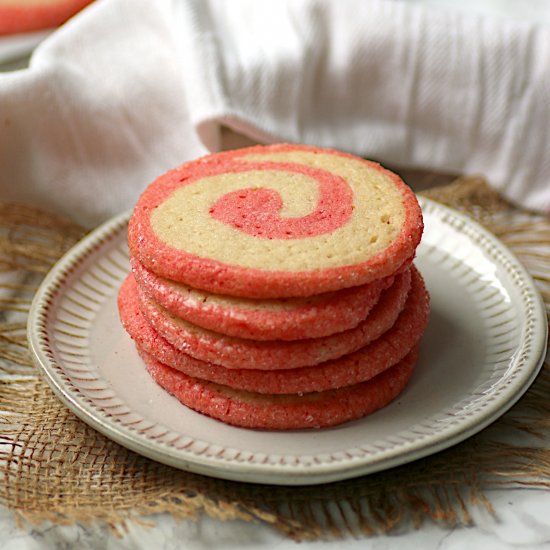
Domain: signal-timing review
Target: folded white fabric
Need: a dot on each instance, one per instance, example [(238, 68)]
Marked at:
[(130, 88)]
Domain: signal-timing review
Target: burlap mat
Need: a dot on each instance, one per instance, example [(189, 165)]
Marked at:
[(54, 467)]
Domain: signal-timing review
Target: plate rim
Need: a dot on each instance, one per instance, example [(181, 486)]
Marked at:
[(280, 473)]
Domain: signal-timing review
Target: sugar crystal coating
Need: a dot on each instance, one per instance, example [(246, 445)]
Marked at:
[(284, 412), (269, 319), (232, 352), (350, 369)]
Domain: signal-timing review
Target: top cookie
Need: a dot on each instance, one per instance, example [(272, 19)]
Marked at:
[(276, 221)]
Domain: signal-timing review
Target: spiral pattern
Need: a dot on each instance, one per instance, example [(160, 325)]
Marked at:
[(276, 221), (259, 211)]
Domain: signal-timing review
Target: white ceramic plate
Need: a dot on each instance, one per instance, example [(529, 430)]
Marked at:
[(483, 347)]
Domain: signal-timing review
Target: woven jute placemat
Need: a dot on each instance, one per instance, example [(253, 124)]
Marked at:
[(55, 468)]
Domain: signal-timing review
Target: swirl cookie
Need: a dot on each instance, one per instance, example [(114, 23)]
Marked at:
[(284, 412), (234, 353), (350, 369), (270, 319), (276, 222), (32, 15)]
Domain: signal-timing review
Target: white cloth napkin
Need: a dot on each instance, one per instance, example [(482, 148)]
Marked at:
[(130, 88)]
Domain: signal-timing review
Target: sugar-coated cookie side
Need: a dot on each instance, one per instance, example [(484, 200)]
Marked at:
[(350, 369), (284, 412), (269, 319), (232, 352)]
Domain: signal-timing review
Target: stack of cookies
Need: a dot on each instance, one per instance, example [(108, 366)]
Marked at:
[(273, 287)]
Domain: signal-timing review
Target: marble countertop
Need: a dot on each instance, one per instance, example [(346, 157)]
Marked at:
[(521, 521)]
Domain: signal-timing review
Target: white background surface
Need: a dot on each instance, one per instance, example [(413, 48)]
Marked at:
[(522, 517)]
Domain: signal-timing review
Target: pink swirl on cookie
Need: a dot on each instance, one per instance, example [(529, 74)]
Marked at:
[(257, 211)]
